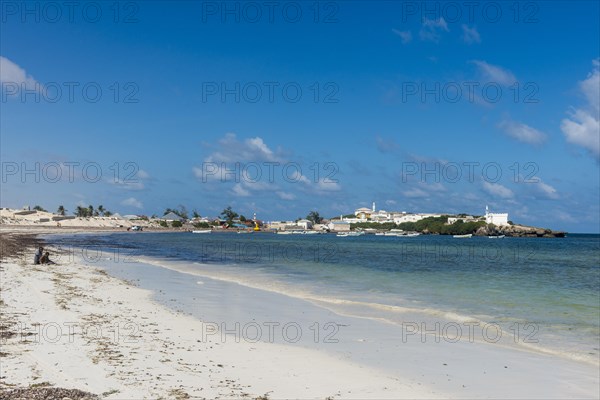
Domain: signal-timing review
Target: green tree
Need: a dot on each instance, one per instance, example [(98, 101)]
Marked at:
[(107, 213), (90, 211), (229, 214), (176, 224), (39, 208), (195, 213), (314, 217), (101, 209), (61, 210), (242, 218), (183, 213)]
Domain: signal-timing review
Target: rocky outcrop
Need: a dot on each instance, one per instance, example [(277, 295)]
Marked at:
[(518, 231)]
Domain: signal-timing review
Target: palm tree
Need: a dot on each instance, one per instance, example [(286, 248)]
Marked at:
[(90, 211), (101, 209), (61, 210)]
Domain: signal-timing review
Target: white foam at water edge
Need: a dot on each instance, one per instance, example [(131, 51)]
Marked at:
[(200, 283)]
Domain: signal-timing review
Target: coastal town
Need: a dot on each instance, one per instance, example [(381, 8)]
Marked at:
[(362, 221)]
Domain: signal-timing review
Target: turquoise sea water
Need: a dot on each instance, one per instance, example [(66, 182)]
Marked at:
[(543, 293)]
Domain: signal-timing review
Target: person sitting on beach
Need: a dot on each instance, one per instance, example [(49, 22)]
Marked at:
[(46, 259), (38, 255)]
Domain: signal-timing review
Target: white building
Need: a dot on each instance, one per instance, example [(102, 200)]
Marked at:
[(364, 213), (304, 224), (495, 218), (339, 226), (380, 216), (405, 217)]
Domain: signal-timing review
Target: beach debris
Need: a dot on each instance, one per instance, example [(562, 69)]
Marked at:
[(46, 393)]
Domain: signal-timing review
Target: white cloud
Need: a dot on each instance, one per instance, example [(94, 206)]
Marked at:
[(390, 202), (497, 190), (564, 216), (540, 190), (406, 36), (327, 185), (239, 190), (232, 150), (11, 73), (386, 145), (415, 193), (423, 189), (522, 132), (545, 190), (133, 184), (233, 159), (286, 196), (132, 202), (495, 73), (591, 86), (430, 31), (583, 127), (142, 174), (470, 35)]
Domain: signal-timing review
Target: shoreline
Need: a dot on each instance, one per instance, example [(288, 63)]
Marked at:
[(423, 370), (157, 352)]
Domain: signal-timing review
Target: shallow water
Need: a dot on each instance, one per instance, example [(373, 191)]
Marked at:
[(542, 293)]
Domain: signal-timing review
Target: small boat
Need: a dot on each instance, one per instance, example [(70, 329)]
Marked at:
[(412, 234), (496, 237), (202, 231), (462, 236), (346, 234), (284, 232)]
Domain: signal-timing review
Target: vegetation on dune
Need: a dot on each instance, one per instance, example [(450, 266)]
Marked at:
[(89, 211), (435, 225)]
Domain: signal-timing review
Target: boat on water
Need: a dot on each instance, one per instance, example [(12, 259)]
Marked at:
[(398, 233), (347, 234), (462, 236), (496, 237), (203, 231), (284, 232)]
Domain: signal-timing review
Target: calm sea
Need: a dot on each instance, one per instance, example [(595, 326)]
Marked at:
[(545, 291)]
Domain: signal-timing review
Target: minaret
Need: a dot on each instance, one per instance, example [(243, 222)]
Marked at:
[(373, 206)]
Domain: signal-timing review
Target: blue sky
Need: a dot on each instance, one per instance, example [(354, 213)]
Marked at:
[(322, 106)]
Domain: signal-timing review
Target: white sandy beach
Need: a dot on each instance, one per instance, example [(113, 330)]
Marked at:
[(76, 326), (65, 317)]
